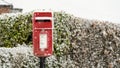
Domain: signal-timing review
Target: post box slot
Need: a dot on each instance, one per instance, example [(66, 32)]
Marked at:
[(45, 20)]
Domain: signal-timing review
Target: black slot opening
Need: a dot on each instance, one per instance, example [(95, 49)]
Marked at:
[(45, 20)]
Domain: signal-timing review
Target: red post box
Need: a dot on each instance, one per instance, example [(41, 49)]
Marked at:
[(42, 34)]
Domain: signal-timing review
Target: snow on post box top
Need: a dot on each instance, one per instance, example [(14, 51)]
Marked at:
[(42, 20)]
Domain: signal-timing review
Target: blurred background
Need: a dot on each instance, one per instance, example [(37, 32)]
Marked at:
[(106, 10)]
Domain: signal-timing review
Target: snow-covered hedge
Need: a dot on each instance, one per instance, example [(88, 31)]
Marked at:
[(22, 57), (78, 43), (89, 43), (17, 57)]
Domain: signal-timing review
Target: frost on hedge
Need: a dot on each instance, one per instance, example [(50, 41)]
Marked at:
[(22, 57), (82, 43), (17, 57)]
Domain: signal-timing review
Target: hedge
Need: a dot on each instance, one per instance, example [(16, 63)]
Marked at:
[(15, 29), (80, 42)]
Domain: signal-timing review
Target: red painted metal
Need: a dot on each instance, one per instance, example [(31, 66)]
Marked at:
[(42, 26)]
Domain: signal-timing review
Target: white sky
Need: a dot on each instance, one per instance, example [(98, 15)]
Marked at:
[(108, 10)]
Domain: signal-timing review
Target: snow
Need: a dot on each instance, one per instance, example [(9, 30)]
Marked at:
[(16, 57), (22, 56)]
